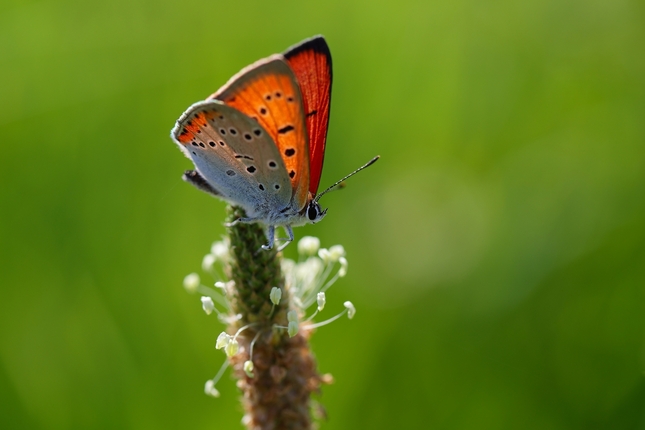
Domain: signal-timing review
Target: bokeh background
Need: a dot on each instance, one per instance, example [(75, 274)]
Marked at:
[(496, 252)]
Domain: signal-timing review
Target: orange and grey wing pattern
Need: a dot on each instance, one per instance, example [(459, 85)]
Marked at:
[(267, 91)]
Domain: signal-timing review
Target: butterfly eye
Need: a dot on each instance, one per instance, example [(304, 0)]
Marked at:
[(312, 212)]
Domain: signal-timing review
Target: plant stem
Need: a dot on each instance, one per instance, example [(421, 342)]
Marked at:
[(285, 376)]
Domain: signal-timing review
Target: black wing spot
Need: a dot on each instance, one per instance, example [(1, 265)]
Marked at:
[(199, 131), (232, 131), (193, 143), (263, 111), (313, 112), (276, 186), (230, 173), (261, 187), (221, 143), (212, 144), (222, 132), (221, 117), (290, 99), (194, 153), (257, 132), (292, 174), (202, 144), (278, 94), (286, 129), (289, 152), (272, 164), (267, 97), (189, 123), (243, 156), (247, 136), (251, 169)]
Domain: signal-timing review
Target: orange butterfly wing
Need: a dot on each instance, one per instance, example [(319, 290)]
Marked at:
[(268, 92), (310, 61)]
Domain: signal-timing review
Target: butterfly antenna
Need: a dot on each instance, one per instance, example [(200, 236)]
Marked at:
[(369, 163)]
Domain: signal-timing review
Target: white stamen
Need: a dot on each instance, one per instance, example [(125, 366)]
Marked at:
[(191, 282), (248, 368), (335, 252), (207, 262), (321, 300), (222, 340), (208, 305), (351, 310), (308, 246), (293, 328)]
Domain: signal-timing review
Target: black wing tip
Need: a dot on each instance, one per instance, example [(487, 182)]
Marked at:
[(316, 44)]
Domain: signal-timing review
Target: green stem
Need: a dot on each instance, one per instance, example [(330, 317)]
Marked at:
[(285, 376)]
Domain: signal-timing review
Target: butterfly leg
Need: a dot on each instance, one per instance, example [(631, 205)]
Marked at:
[(287, 240), (270, 236), (272, 239), (241, 220)]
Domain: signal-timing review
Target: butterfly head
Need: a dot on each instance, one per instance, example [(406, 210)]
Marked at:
[(314, 212)]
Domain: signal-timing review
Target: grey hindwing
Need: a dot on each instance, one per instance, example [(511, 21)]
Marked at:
[(237, 157)]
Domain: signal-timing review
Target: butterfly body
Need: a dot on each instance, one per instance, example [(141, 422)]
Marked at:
[(259, 141)]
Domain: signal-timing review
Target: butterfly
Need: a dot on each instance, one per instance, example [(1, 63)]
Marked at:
[(259, 141)]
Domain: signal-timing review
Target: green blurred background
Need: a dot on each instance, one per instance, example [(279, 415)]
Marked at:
[(496, 252)]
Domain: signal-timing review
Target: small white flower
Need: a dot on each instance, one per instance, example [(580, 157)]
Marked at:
[(292, 328), (221, 285), (324, 255), (222, 340), (210, 389), (287, 265), (308, 246), (351, 310), (232, 347), (248, 368), (305, 273), (343, 267), (220, 251), (335, 252), (275, 295), (292, 316), (320, 299), (208, 305), (191, 282), (207, 262)]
